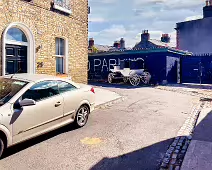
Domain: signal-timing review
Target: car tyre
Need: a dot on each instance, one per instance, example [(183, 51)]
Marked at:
[(110, 78), (1, 147), (81, 117)]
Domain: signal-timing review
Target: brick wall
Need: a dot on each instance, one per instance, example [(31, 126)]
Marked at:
[(46, 24)]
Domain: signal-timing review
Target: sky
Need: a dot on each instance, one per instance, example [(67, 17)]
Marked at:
[(111, 20)]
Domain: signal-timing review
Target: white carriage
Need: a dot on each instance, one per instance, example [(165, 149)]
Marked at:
[(130, 70)]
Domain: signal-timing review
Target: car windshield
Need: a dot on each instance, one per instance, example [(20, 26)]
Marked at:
[(8, 89)]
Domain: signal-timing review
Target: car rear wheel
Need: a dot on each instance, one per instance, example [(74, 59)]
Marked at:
[(1, 147), (82, 116), (110, 78)]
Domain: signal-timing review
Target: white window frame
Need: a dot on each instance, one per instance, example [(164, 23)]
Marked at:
[(65, 56), (64, 6)]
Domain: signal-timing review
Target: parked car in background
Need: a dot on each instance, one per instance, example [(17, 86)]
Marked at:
[(33, 104)]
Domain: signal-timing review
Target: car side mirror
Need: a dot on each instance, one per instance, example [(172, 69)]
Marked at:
[(27, 102)]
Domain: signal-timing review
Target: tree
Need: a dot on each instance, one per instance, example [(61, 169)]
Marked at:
[(94, 49)]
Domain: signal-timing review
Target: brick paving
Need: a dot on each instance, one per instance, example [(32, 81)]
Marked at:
[(175, 154), (186, 152)]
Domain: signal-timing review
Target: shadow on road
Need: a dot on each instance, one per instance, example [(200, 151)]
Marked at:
[(204, 129), (118, 85), (148, 158), (19, 147), (199, 153)]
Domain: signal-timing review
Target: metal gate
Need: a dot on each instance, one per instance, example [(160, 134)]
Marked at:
[(196, 69)]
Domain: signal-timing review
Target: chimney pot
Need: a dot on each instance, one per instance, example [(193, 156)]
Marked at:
[(207, 10), (91, 42), (122, 43), (207, 3), (145, 36), (165, 38), (116, 44)]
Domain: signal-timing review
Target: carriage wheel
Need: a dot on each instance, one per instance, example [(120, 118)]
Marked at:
[(146, 77), (135, 80), (110, 78), (125, 79)]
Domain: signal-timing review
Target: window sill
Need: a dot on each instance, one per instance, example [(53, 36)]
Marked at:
[(58, 56), (68, 11), (61, 75), (64, 76)]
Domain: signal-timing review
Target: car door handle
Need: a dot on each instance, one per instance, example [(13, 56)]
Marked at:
[(57, 104)]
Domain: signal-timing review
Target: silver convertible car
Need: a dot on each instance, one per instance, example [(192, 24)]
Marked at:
[(33, 104)]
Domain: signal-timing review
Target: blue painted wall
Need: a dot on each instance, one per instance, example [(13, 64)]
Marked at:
[(195, 36), (161, 65), (197, 69)]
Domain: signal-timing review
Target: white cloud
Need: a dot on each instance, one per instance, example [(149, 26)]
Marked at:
[(92, 34), (173, 36), (131, 35), (103, 1), (171, 4), (96, 19), (182, 4), (108, 35), (112, 19), (193, 17)]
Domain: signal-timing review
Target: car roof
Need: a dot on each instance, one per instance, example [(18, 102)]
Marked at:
[(32, 77)]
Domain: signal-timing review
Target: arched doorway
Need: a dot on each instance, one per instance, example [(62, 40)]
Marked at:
[(18, 50)]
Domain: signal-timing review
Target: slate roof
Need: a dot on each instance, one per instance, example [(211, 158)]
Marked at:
[(152, 43), (163, 44), (106, 48), (103, 47)]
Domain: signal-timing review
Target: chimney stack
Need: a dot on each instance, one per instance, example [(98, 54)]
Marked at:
[(207, 3), (145, 36), (207, 10), (165, 38), (116, 44), (91, 42), (122, 43)]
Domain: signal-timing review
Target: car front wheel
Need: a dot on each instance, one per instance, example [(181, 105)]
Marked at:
[(81, 117), (1, 147)]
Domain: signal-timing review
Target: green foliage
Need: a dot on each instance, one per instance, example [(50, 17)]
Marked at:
[(94, 49)]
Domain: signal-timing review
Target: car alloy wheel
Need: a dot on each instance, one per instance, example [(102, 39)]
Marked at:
[(82, 116), (1, 147)]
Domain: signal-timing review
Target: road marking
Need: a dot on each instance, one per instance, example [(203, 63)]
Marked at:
[(91, 141)]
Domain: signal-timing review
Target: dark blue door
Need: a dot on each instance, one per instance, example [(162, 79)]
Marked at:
[(197, 69), (16, 59), (191, 70)]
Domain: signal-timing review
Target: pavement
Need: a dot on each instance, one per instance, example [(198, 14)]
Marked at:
[(199, 153), (104, 96), (132, 134), (201, 90)]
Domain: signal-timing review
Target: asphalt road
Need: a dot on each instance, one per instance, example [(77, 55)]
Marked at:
[(133, 134)]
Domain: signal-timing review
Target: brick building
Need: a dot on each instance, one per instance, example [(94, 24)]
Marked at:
[(47, 37)]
